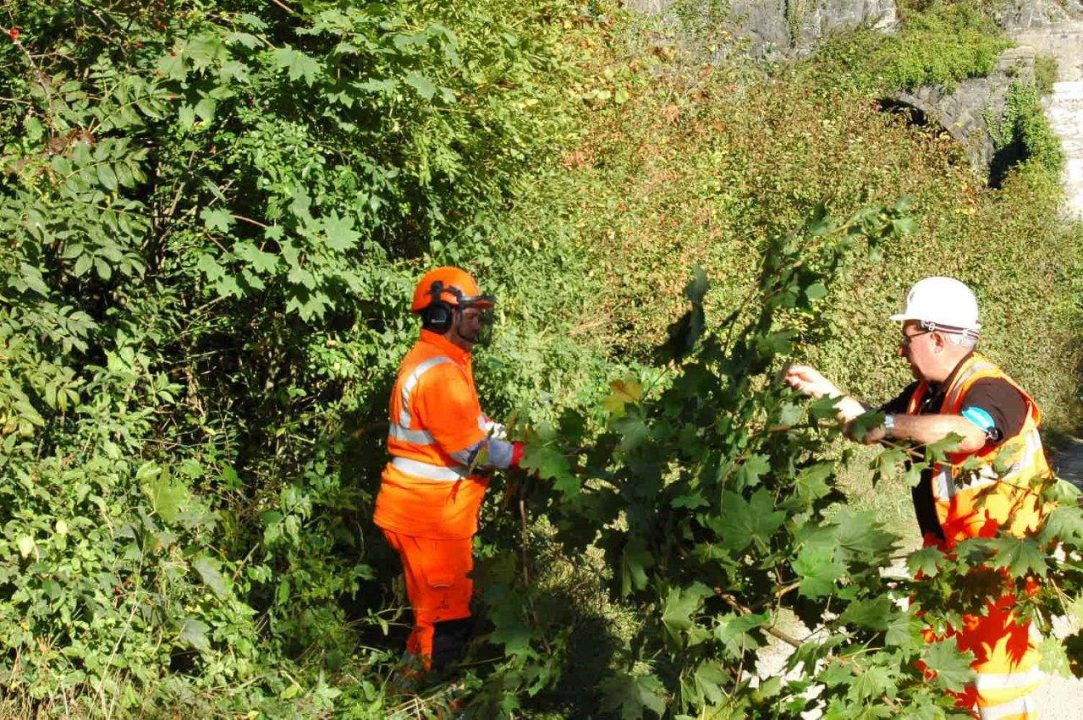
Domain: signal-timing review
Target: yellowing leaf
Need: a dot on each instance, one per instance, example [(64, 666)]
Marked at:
[(626, 391), (26, 545)]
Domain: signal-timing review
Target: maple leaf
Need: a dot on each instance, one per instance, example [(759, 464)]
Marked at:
[(952, 667)]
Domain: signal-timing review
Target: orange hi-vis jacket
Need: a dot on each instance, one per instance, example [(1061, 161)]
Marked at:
[(976, 502), (434, 412)]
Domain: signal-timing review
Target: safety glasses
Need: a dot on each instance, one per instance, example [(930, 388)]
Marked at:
[(907, 339)]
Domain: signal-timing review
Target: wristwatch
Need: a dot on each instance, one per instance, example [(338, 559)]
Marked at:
[(889, 425)]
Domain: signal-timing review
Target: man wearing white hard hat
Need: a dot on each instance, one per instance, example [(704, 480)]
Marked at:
[(957, 391)]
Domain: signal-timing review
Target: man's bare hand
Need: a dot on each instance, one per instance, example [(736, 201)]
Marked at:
[(808, 380)]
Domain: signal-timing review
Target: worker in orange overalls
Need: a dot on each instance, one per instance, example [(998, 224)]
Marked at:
[(958, 391), (440, 443)]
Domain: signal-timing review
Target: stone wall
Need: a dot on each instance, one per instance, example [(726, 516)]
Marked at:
[(1022, 14), (963, 112), (791, 27)]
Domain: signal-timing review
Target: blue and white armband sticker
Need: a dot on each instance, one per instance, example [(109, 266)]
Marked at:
[(982, 419)]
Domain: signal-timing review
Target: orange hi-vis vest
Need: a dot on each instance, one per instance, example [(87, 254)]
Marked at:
[(975, 502), (434, 412)]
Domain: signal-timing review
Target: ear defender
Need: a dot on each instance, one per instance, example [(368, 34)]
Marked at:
[(439, 314)]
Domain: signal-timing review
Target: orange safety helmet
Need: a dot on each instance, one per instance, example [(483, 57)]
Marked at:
[(448, 286)]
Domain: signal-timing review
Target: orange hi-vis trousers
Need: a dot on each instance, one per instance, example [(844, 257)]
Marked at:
[(438, 586), (1006, 662)]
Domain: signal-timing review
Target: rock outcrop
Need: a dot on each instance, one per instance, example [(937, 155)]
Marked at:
[(1026, 14), (964, 111), (792, 27)]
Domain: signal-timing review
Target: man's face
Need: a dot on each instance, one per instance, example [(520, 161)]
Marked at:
[(917, 346), (467, 325)]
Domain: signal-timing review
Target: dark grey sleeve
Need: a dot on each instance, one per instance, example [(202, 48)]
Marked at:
[(500, 452)]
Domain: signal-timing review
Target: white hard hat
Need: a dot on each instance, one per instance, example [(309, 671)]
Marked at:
[(944, 303)]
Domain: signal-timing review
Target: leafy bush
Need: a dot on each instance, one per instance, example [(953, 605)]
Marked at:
[(708, 493), (940, 44), (1024, 133), (213, 214), (1045, 74)]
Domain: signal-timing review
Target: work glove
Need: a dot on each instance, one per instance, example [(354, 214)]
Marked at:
[(494, 429)]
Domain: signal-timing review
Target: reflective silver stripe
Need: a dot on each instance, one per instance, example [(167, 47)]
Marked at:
[(957, 386), (1032, 446), (1026, 704), (427, 471), (411, 382), (417, 437), (1001, 681), (944, 487)]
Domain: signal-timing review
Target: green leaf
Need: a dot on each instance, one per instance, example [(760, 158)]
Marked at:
[(1020, 556), (902, 632), (216, 219), (194, 634), (952, 668), (31, 277), (297, 64), (205, 108), (510, 629), (815, 291), (211, 577), (750, 472), (549, 463), (167, 498), (750, 522), (107, 176), (888, 460), (873, 682), (862, 535), (424, 87), (818, 568), (186, 116), (26, 545), (632, 695), (339, 233), (1064, 523), (709, 679), (874, 614), (924, 562), (1055, 657), (940, 449), (262, 262), (733, 631), (679, 606), (635, 561), (171, 65), (812, 480)]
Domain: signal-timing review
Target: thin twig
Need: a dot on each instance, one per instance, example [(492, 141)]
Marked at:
[(284, 6), (770, 629)]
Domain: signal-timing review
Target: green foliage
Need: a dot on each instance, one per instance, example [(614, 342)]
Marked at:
[(1045, 74), (1024, 132), (940, 44), (212, 215), (710, 499)]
